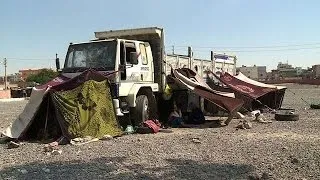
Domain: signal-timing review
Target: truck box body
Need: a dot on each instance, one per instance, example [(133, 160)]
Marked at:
[(162, 61)]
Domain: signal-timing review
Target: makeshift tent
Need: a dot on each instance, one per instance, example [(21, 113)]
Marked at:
[(194, 82), (256, 95), (77, 107)]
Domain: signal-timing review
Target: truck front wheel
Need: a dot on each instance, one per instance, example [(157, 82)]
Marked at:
[(141, 110)]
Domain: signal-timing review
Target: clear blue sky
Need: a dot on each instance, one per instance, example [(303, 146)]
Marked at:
[(37, 29)]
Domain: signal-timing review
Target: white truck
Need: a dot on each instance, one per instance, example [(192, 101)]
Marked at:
[(139, 57)]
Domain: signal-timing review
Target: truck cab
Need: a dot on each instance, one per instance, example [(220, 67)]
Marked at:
[(131, 62)]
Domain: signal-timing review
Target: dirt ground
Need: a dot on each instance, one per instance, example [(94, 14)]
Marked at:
[(279, 150)]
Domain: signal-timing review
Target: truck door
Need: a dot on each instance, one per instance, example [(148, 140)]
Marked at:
[(146, 62), (129, 59)]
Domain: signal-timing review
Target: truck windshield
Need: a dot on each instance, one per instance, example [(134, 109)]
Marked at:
[(97, 55)]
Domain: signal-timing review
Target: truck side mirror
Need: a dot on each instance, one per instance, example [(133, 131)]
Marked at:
[(133, 58), (57, 64)]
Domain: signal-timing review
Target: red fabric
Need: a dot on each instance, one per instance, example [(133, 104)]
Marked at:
[(54, 82), (64, 83), (242, 87), (229, 104), (152, 125)]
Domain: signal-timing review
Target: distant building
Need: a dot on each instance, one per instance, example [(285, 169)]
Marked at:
[(27, 72), (284, 66), (258, 73), (11, 78), (316, 71), (299, 71), (275, 75), (249, 71), (262, 73), (307, 73), (286, 70)]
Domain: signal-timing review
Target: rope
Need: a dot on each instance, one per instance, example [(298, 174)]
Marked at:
[(270, 109), (300, 98)]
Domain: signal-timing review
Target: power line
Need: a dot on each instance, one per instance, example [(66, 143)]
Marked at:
[(252, 47), (175, 48), (197, 49), (262, 50), (30, 59)]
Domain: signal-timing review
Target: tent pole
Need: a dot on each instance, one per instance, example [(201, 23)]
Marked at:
[(280, 102), (275, 99), (264, 105), (46, 123)]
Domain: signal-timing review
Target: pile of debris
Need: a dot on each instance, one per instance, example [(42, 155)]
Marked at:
[(254, 116)]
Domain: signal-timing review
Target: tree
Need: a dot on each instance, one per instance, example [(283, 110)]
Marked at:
[(42, 77)]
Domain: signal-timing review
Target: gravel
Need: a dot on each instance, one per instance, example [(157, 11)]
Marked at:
[(278, 150)]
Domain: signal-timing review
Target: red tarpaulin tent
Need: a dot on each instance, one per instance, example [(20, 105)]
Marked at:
[(255, 94), (194, 82)]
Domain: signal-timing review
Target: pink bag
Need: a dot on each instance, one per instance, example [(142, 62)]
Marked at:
[(154, 126)]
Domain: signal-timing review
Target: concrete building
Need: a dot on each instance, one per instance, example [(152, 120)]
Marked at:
[(27, 72), (316, 71), (274, 75), (11, 78), (286, 70), (284, 66), (299, 71), (249, 71), (258, 73), (262, 73)]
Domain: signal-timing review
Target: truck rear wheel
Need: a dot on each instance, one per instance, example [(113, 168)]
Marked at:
[(141, 110)]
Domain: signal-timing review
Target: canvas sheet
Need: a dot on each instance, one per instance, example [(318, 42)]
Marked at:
[(244, 78), (192, 81), (24, 119), (250, 90)]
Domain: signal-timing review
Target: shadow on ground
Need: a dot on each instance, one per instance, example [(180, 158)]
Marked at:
[(118, 168)]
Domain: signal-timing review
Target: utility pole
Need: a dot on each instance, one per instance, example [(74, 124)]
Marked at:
[(190, 55), (172, 49), (5, 73), (213, 62)]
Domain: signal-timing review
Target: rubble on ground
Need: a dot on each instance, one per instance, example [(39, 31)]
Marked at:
[(244, 124), (279, 150)]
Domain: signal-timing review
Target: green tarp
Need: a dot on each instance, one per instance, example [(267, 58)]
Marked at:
[(87, 110), (68, 107)]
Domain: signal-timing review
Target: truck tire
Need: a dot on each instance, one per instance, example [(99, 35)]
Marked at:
[(141, 110)]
